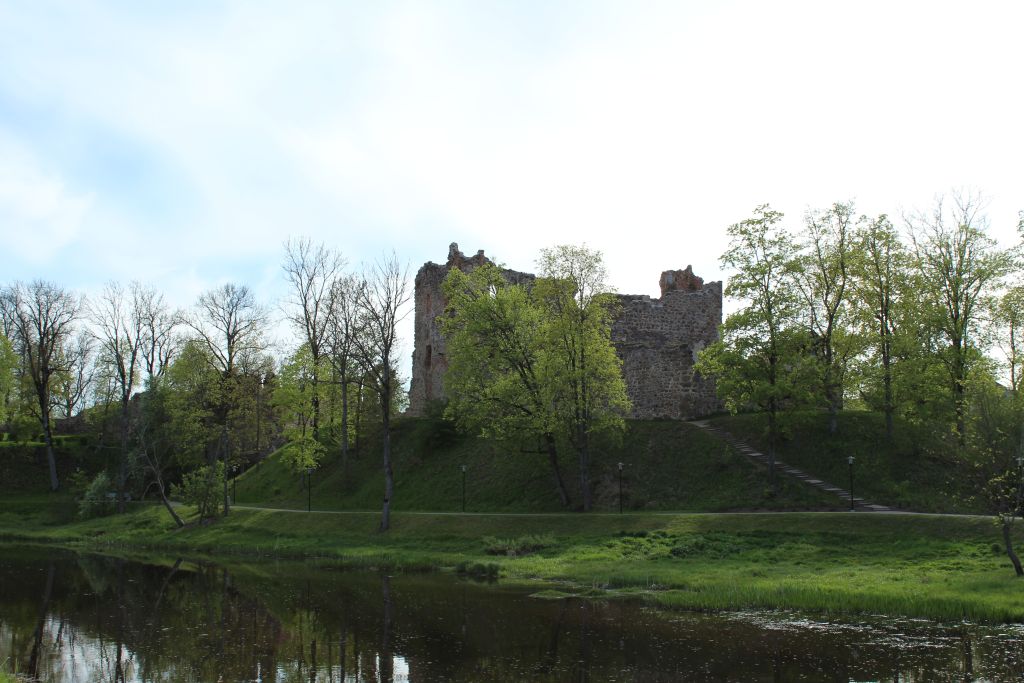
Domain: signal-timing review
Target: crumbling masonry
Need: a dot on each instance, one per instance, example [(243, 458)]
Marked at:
[(657, 340)]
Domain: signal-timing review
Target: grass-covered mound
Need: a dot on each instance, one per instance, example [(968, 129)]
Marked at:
[(668, 465), (913, 471)]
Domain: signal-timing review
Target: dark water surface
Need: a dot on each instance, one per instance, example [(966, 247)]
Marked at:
[(82, 617)]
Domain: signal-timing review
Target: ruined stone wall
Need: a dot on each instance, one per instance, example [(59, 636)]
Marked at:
[(429, 360), (657, 340)]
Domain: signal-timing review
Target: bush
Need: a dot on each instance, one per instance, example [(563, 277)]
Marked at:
[(202, 488), (96, 500), (514, 547)]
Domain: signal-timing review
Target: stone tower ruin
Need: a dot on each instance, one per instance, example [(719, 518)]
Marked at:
[(657, 340)]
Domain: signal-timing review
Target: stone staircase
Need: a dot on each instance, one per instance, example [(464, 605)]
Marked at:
[(762, 459)]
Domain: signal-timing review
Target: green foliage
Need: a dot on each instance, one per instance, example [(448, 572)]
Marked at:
[(8, 378), (494, 349), (580, 361), (536, 363), (303, 453), (201, 488), (515, 547), (764, 360), (96, 501)]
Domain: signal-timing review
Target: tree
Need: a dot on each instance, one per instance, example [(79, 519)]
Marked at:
[(8, 378), (960, 267), (120, 321), (1009, 316), (381, 301), (762, 359), (343, 327), (580, 363), (311, 272), (229, 324), (880, 274), (41, 316), (74, 383), (159, 340), (823, 280), (494, 340)]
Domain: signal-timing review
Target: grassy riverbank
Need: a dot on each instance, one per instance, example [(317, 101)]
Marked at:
[(946, 568)]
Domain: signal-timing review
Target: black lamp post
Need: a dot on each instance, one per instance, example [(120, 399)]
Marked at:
[(620, 488), (309, 489), (234, 484), (849, 461), (463, 488)]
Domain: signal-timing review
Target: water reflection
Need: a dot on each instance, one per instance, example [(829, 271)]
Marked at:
[(84, 618)]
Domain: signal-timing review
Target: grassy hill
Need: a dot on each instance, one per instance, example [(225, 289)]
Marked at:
[(913, 471), (667, 466)]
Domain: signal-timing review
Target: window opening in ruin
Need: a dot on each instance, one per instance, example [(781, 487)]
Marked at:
[(428, 355)]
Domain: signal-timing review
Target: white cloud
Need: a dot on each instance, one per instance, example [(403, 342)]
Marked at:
[(39, 214)]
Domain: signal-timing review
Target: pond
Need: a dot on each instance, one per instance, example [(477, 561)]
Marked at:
[(80, 617)]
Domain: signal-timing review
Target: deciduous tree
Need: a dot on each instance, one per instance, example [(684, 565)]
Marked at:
[(579, 361), (41, 317), (763, 360), (495, 343), (961, 268), (381, 301), (311, 271)]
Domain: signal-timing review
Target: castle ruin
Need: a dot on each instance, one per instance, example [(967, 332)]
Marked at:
[(657, 340)]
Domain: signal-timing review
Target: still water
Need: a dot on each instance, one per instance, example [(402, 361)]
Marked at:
[(82, 617)]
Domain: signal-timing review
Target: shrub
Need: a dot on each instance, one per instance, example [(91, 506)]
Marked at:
[(514, 547), (201, 488), (96, 500)]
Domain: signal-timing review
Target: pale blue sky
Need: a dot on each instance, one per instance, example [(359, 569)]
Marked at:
[(181, 143)]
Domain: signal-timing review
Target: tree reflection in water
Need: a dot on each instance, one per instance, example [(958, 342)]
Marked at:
[(67, 617)]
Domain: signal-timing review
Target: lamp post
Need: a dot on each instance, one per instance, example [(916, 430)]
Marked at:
[(463, 488), (620, 488), (309, 489), (849, 461), (234, 484)]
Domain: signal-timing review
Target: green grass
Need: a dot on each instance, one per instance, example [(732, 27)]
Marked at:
[(939, 567), (668, 465), (911, 472)]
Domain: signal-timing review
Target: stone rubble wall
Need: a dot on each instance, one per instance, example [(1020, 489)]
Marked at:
[(657, 340)]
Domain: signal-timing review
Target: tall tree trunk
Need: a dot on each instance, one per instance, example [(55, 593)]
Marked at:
[(225, 447), (552, 448), (122, 469), (167, 503), (315, 403), (584, 456), (359, 420), (887, 385), (773, 429), (1009, 549), (51, 460), (344, 423), (389, 476)]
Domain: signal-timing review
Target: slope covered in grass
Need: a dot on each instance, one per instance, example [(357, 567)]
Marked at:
[(667, 465), (912, 471)]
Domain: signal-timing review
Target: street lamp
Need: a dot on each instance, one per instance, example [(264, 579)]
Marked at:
[(463, 488), (234, 484), (620, 488), (309, 489), (849, 461)]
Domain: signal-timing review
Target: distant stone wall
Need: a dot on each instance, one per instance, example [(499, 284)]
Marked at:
[(657, 340)]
